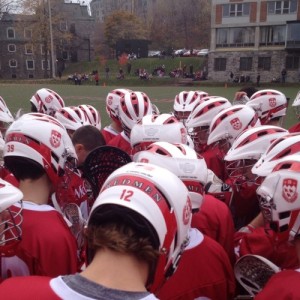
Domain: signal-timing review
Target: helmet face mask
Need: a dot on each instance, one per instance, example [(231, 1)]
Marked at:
[(199, 136), (240, 170), (11, 218)]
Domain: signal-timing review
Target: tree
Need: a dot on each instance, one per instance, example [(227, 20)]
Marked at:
[(123, 25), (173, 24)]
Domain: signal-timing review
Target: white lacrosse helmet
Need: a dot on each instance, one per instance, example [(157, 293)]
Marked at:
[(92, 115), (10, 220), (201, 116), (47, 101), (72, 117), (249, 146), (279, 198), (184, 103), (156, 195), (286, 145), (181, 160), (2, 143), (230, 122), (43, 139), (5, 114), (133, 107), (112, 103), (296, 104), (269, 104), (157, 128)]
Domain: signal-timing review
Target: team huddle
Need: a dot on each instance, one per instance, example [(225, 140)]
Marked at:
[(201, 202)]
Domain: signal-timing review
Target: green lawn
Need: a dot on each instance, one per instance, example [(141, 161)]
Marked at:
[(18, 95)]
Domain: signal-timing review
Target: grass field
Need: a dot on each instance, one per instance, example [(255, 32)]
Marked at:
[(18, 95)]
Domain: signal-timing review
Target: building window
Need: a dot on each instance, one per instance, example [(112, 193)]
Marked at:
[(28, 33), (12, 63), (264, 63), (292, 62), (11, 48), (236, 10), (272, 35), (10, 33), (30, 64), (235, 37), (222, 37), (220, 64), (63, 26), (282, 7), (293, 35), (29, 49), (45, 65), (245, 63)]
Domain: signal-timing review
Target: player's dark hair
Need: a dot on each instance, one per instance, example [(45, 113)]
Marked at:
[(89, 136), (23, 168)]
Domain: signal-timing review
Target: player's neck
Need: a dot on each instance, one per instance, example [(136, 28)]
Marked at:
[(36, 191), (117, 271), (116, 126)]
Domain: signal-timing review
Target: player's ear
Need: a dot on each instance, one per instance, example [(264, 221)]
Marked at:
[(79, 148)]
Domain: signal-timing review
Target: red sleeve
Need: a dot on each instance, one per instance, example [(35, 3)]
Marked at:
[(27, 288), (214, 220), (282, 254), (214, 163)]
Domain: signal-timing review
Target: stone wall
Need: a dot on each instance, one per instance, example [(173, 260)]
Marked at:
[(278, 58)]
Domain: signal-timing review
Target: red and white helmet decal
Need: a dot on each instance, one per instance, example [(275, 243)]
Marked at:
[(236, 124), (289, 189)]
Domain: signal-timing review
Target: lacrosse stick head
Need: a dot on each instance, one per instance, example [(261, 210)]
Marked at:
[(253, 272), (100, 163)]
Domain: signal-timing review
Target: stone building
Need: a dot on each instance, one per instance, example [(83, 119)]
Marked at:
[(25, 47), (254, 37)]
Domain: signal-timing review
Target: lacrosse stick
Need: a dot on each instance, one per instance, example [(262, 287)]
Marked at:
[(253, 272), (100, 163)]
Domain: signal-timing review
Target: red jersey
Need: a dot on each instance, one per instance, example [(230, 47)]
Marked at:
[(258, 242), (203, 271), (122, 142), (47, 248), (244, 204), (282, 285), (72, 188), (214, 160), (214, 220), (109, 133)]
